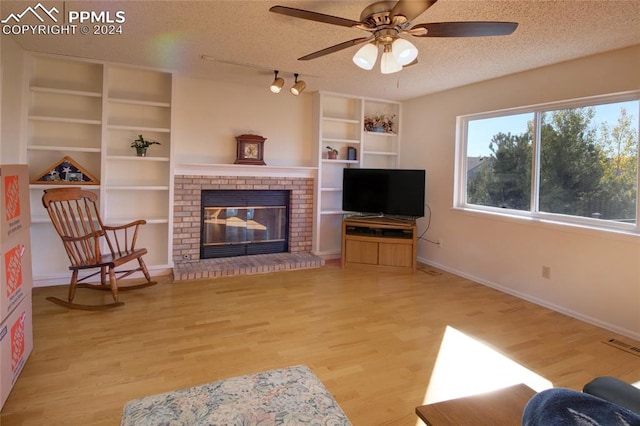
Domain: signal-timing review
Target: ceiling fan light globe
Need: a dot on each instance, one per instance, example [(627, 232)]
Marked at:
[(404, 51), (277, 85), (388, 64), (366, 56)]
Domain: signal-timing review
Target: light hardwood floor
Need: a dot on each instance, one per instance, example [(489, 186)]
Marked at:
[(372, 337)]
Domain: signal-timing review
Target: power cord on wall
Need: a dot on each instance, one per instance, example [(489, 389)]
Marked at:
[(421, 236)]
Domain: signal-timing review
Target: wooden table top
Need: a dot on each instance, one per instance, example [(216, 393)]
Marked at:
[(501, 407)]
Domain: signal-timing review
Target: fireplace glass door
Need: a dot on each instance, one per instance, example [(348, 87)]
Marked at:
[(241, 225), (244, 222)]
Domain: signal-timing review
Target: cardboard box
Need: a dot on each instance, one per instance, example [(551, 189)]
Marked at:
[(15, 212), (16, 276), (16, 344)]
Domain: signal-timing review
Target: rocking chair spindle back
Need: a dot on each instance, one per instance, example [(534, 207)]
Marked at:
[(90, 244)]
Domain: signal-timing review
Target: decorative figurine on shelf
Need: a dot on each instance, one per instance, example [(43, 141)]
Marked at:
[(65, 172), (141, 144), (332, 154), (379, 123)]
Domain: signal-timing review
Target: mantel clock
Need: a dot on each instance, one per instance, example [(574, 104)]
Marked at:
[(250, 150)]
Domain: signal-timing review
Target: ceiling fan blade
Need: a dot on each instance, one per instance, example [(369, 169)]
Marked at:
[(466, 29), (410, 9), (335, 48), (314, 16)]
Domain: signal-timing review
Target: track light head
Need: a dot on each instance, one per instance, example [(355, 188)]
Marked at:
[(277, 84), (298, 86)]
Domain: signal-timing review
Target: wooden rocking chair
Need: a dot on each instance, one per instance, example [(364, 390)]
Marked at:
[(74, 214)]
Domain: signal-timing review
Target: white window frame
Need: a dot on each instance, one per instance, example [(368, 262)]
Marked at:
[(460, 181)]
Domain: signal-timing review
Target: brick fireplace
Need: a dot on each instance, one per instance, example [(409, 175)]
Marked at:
[(187, 221)]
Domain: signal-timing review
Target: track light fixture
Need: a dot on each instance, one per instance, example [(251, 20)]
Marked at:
[(298, 86), (277, 84)]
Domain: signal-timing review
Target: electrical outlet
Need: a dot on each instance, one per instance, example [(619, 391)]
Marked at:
[(546, 272), (185, 257)]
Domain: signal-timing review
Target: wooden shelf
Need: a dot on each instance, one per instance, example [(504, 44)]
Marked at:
[(140, 102), (65, 119), (341, 120), (387, 153), (137, 188), (138, 128), (337, 140), (338, 161), (62, 148), (380, 133), (135, 158), (53, 185), (125, 220), (59, 91)]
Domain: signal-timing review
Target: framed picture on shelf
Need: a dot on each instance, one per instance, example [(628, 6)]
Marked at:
[(351, 154)]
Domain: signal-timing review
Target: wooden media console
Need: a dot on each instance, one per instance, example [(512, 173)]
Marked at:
[(379, 241)]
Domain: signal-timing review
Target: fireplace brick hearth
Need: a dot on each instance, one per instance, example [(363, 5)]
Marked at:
[(186, 227)]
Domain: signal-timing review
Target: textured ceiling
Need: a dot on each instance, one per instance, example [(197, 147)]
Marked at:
[(247, 41)]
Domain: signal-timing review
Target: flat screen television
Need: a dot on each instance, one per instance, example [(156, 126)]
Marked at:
[(384, 192)]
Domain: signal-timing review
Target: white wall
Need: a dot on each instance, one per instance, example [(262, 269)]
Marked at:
[(595, 275), (12, 87), (209, 115)]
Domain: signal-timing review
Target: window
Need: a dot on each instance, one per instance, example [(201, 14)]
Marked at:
[(572, 162)]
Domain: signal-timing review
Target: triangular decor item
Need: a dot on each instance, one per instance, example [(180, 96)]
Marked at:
[(66, 172)]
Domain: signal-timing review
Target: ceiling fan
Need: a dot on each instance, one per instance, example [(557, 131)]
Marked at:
[(387, 21)]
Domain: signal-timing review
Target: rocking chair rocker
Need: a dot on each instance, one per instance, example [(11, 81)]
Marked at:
[(74, 214)]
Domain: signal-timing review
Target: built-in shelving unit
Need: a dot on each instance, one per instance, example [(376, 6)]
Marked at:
[(92, 111), (340, 124), (139, 102)]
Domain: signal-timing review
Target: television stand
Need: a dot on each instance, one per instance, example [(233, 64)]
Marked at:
[(379, 241)]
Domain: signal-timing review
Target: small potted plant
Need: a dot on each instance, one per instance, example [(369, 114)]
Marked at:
[(141, 144), (332, 154)]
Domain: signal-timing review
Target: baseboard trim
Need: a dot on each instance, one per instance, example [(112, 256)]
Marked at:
[(541, 302), (63, 279)]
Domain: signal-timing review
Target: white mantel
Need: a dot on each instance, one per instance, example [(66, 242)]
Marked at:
[(205, 169)]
